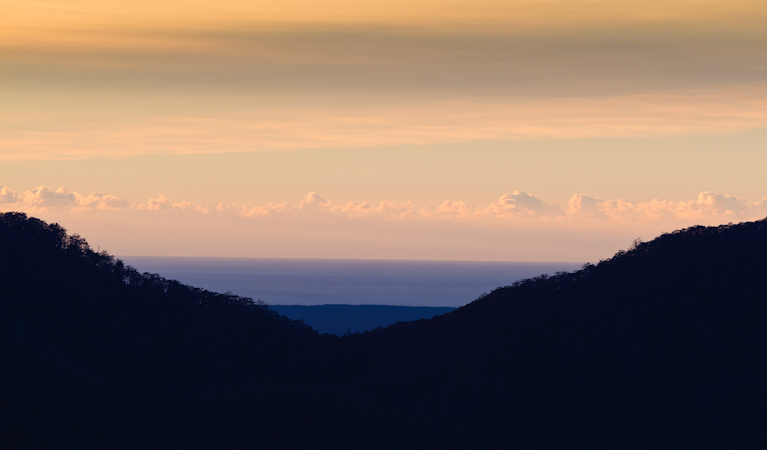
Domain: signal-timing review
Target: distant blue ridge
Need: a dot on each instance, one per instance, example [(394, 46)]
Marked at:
[(346, 282), (337, 295), (338, 319)]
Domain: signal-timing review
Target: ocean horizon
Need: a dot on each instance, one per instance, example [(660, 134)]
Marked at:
[(312, 282)]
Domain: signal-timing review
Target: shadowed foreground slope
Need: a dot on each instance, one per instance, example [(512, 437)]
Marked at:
[(343, 319), (662, 346)]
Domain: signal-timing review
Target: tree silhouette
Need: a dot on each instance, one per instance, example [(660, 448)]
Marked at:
[(661, 346)]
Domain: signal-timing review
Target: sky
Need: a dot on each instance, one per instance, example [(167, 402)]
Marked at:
[(516, 130)]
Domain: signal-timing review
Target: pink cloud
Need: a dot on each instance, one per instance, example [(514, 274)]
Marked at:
[(163, 203), (7, 195), (706, 206), (44, 197), (267, 210), (514, 206), (521, 203), (99, 201)]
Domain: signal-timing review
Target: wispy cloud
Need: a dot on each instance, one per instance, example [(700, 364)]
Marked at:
[(84, 79), (418, 122)]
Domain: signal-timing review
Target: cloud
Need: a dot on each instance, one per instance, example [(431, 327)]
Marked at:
[(268, 210), (97, 200), (397, 210), (314, 203), (44, 197), (314, 200), (585, 206), (163, 203), (545, 71), (521, 203), (450, 208), (357, 208), (7, 195), (515, 206), (724, 205), (707, 205)]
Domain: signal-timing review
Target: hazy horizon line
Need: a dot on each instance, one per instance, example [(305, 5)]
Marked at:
[(354, 259)]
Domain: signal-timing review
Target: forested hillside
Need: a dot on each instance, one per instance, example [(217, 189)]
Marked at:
[(662, 346)]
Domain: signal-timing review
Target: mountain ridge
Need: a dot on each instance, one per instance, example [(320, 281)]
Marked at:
[(662, 345)]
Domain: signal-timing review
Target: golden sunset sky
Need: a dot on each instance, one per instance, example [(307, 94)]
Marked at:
[(482, 130)]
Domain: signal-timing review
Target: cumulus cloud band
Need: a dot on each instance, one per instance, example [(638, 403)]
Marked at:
[(706, 205), (517, 205)]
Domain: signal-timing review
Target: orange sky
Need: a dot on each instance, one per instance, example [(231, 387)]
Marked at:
[(361, 90)]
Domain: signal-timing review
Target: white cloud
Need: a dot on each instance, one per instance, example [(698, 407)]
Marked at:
[(517, 204), (97, 200), (397, 210), (357, 208), (163, 203), (450, 208), (585, 206), (7, 195), (268, 210), (708, 205), (521, 203), (314, 198), (44, 197), (513, 206), (720, 205)]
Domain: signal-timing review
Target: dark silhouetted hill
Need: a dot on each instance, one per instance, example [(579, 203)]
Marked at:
[(661, 346), (92, 349)]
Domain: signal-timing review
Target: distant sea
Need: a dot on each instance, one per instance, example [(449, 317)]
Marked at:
[(344, 281)]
